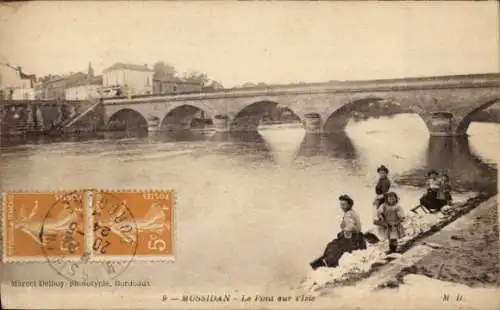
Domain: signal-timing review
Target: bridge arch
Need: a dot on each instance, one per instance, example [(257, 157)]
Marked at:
[(249, 117), (127, 119), (337, 120), (465, 121), (186, 116)]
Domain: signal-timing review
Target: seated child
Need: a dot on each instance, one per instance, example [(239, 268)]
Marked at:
[(444, 193), (433, 181), (391, 217), (430, 199)]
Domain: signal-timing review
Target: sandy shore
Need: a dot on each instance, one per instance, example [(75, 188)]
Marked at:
[(470, 251)]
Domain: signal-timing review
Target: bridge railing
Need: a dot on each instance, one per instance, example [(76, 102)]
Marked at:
[(435, 82), (39, 101)]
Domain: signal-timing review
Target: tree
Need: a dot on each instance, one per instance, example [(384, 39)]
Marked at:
[(163, 70), (47, 77), (166, 71), (215, 85), (259, 85), (197, 77), (262, 85)]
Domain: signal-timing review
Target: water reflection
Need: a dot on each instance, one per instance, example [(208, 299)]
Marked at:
[(20, 141), (484, 141), (355, 153), (244, 145), (180, 136), (453, 155), (337, 145), (128, 134)]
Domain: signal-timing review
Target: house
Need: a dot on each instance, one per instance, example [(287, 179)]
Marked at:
[(171, 86), (127, 79), (85, 88), (73, 86), (54, 88), (17, 93), (14, 87)]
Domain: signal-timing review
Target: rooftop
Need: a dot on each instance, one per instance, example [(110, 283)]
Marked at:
[(71, 80), (95, 80), (120, 65), (67, 77)]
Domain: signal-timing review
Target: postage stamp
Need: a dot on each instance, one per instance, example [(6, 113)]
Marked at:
[(38, 225), (132, 223), (83, 267), (88, 226)]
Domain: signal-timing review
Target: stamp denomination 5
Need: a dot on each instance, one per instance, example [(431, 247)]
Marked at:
[(136, 223), (34, 221)]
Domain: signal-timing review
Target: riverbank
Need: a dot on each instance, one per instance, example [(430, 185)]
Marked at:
[(466, 252), (372, 269), (455, 268)]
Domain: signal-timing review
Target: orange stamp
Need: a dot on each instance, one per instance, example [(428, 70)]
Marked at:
[(42, 225), (132, 223)]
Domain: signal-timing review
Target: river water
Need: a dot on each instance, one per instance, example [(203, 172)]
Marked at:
[(254, 209)]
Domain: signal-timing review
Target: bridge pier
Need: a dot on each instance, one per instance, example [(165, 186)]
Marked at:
[(312, 123), (442, 124), (180, 123), (153, 124), (221, 123)]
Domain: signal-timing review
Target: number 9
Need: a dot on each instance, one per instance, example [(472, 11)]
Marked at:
[(156, 244)]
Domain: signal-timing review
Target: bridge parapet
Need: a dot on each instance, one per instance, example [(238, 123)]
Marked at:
[(40, 102), (403, 84), (434, 99)]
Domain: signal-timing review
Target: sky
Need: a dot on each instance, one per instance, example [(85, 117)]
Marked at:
[(238, 42)]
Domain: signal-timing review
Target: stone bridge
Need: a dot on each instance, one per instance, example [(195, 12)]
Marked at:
[(446, 104)]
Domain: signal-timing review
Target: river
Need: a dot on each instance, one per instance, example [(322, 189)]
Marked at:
[(254, 209)]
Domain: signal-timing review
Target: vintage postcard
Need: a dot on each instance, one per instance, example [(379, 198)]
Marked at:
[(249, 155)]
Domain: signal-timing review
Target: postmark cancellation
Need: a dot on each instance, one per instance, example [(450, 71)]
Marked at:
[(88, 225)]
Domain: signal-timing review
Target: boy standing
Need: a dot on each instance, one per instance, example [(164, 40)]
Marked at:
[(383, 185)]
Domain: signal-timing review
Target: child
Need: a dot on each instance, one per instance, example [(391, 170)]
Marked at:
[(383, 185), (391, 217), (433, 182), (430, 200), (444, 193)]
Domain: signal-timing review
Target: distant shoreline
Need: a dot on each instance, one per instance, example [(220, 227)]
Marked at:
[(207, 129)]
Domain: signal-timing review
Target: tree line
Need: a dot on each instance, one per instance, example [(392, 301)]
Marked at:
[(165, 71)]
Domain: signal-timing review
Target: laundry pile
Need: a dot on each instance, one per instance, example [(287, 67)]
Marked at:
[(416, 224), (350, 265)]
